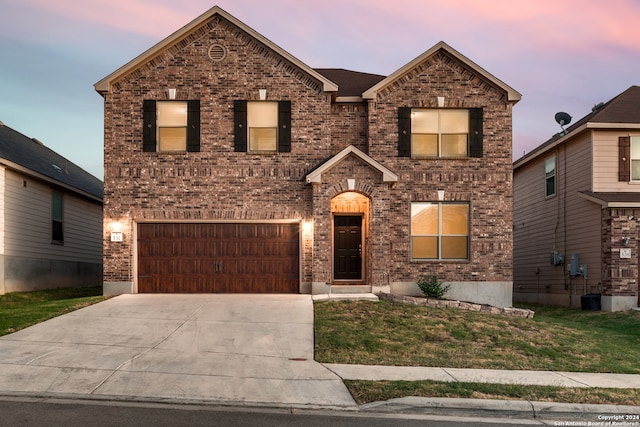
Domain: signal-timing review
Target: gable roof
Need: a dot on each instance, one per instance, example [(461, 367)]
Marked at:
[(512, 94), (316, 175), (620, 112), (31, 157), (104, 85), (350, 83)]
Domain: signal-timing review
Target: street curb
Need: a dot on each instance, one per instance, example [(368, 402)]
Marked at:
[(520, 409)]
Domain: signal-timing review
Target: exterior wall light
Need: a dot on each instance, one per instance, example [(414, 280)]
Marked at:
[(116, 232)]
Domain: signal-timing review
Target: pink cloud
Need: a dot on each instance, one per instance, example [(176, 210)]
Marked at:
[(147, 17)]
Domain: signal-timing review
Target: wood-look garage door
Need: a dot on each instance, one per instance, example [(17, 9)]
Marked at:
[(218, 258)]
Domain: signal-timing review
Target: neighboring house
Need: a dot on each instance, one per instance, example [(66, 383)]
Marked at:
[(231, 166), (577, 211), (50, 218)]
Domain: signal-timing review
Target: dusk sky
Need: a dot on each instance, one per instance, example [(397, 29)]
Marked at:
[(561, 55)]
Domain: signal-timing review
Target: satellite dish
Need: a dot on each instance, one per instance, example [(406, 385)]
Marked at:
[(563, 119)]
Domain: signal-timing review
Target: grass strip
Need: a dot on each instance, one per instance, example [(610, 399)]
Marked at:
[(23, 309), (374, 391)]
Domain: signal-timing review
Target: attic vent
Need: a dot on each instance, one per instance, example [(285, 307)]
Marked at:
[(217, 52)]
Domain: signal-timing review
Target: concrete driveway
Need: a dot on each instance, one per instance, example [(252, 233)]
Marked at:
[(253, 349)]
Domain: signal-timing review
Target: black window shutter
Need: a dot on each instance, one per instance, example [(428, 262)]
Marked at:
[(240, 125), (193, 125), (624, 162), (475, 132), (284, 126), (404, 132), (149, 125)]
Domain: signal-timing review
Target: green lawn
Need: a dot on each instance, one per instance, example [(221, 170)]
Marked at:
[(22, 309), (556, 339)]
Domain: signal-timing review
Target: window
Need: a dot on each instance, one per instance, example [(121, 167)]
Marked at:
[(171, 126), (550, 176), (431, 132), (635, 158), (262, 126), (439, 230), (262, 122), (439, 133), (57, 210)]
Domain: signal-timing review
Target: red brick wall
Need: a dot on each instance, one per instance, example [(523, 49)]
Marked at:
[(218, 183), (486, 183)]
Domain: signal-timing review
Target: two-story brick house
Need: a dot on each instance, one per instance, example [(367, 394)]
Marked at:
[(232, 166)]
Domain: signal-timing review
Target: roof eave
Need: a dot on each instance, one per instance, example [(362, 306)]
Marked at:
[(29, 172), (104, 86), (543, 149), (316, 175), (512, 94)]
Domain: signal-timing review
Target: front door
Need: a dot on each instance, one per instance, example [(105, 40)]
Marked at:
[(347, 247)]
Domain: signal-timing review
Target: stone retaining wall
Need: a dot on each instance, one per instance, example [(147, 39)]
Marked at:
[(431, 302)]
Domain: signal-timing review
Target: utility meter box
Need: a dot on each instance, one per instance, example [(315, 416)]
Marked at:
[(573, 266), (556, 258)]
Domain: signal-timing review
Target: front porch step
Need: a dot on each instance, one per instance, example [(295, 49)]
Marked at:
[(350, 297), (350, 289)]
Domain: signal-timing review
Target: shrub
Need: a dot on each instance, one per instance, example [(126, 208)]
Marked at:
[(431, 287)]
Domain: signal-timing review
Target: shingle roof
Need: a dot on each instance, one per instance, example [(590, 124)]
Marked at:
[(624, 108), (350, 83), (31, 154)]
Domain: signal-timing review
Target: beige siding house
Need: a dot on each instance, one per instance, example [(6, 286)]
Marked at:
[(577, 209), (50, 218)]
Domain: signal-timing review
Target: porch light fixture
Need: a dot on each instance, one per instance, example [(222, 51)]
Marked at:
[(263, 94), (625, 241), (171, 93)]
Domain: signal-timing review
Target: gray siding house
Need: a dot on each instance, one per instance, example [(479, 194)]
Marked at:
[(577, 211), (50, 218)]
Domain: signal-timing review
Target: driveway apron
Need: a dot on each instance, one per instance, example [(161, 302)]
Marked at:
[(253, 349)]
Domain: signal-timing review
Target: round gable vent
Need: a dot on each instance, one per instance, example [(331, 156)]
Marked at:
[(217, 52)]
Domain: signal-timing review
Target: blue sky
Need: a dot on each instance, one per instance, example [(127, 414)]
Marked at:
[(563, 55)]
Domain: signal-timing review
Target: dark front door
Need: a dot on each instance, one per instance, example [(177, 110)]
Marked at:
[(347, 247)]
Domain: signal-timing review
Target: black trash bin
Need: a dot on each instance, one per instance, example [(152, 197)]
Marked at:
[(590, 302)]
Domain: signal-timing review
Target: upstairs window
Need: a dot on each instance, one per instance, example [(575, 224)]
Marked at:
[(440, 231), (431, 132), (171, 126), (262, 126), (550, 176), (635, 158), (262, 123), (57, 217)]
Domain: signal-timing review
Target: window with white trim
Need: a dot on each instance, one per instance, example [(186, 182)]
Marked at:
[(550, 176)]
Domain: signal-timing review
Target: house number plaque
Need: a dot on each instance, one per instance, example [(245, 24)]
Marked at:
[(625, 253)]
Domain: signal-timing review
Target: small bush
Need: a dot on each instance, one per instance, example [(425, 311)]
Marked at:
[(431, 287)]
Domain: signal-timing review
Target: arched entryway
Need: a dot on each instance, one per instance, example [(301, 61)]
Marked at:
[(350, 218)]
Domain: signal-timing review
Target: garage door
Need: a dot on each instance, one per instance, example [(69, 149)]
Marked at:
[(220, 258)]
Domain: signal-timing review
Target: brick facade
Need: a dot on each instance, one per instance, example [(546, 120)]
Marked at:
[(219, 184)]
